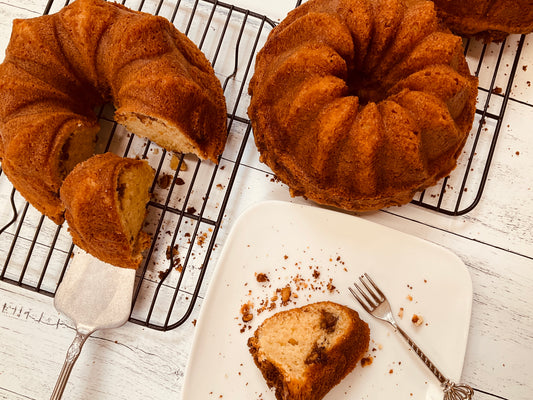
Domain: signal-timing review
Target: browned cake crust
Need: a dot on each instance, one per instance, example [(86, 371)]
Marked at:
[(59, 67), (359, 104), (304, 352), (491, 20), (93, 194)]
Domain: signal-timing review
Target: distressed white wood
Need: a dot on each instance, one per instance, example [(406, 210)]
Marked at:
[(113, 364), (495, 241)]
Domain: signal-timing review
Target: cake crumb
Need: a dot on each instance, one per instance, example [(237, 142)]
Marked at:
[(164, 181), (417, 320), (202, 237), (175, 162), (285, 295), (246, 311), (172, 251), (400, 313), (365, 361)]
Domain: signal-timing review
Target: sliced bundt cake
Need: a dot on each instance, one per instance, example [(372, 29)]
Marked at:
[(304, 352), (59, 67)]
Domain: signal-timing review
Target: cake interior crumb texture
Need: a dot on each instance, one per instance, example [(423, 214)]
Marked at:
[(157, 130), (304, 352), (133, 192)]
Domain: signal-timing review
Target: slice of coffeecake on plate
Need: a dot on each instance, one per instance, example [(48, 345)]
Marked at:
[(306, 351)]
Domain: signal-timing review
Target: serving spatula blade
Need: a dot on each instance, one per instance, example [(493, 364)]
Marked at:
[(94, 295)]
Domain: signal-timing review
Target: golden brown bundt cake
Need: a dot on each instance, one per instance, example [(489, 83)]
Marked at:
[(304, 352), (105, 199), (359, 104), (487, 19), (59, 67)]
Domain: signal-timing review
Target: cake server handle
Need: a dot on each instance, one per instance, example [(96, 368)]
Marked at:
[(73, 353)]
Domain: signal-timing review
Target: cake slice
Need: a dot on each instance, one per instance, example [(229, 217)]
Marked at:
[(105, 201), (304, 352)]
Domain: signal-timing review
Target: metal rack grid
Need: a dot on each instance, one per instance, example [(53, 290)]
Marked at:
[(495, 65), (190, 197)]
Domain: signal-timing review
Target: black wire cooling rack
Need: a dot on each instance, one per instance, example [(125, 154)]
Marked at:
[(190, 197)]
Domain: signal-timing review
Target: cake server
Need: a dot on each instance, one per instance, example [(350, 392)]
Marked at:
[(94, 295)]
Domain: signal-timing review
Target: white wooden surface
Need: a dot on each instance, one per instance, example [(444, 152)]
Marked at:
[(495, 241)]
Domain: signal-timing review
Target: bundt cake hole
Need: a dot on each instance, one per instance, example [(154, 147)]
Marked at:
[(133, 193), (364, 88)]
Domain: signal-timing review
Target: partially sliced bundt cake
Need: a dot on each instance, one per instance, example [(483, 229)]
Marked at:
[(105, 199), (304, 352), (359, 104), (59, 67)]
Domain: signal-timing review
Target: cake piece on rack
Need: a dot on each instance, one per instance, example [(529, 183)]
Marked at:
[(105, 199)]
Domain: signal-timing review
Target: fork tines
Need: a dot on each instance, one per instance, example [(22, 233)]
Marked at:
[(373, 296)]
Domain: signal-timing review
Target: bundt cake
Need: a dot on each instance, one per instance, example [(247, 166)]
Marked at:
[(490, 20), (359, 104), (304, 352), (59, 67), (105, 199)]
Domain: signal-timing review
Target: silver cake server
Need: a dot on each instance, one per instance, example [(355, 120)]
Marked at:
[(94, 295)]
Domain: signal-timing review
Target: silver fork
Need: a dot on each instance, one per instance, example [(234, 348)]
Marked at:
[(377, 305)]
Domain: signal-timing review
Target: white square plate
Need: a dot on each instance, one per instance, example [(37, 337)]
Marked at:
[(308, 248)]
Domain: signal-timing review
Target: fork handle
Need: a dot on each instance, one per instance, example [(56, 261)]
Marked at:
[(442, 379), (452, 391)]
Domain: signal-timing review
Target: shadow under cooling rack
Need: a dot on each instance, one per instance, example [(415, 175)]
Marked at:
[(190, 197)]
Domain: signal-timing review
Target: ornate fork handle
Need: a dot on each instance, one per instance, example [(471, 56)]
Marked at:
[(377, 305), (451, 390)]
